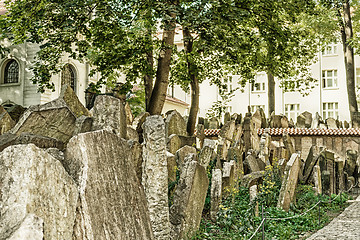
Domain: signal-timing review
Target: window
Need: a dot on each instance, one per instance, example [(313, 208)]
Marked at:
[(329, 78), (228, 84), (292, 111), (259, 84), (256, 107), (68, 76), (331, 49), (11, 72), (330, 110)]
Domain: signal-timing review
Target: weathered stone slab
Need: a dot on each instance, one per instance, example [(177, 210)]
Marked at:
[(288, 186), (175, 124), (216, 193), (310, 162), (138, 122), (189, 200), (306, 144), (30, 229), (236, 154), (200, 135), (109, 114), (109, 188), (206, 153), (129, 115), (171, 166), (288, 143), (132, 134), (228, 179), (83, 124), (155, 175), (173, 143), (9, 139), (252, 164), (252, 179), (55, 119), (304, 120), (136, 156), (183, 153), (317, 180), (6, 122), (331, 123), (213, 123), (34, 182)]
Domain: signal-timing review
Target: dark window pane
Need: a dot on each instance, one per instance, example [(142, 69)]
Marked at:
[(11, 73)]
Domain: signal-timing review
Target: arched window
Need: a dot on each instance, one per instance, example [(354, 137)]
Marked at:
[(11, 72), (68, 76)]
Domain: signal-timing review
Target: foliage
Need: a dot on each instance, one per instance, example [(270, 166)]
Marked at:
[(237, 220), (136, 100), (219, 107)]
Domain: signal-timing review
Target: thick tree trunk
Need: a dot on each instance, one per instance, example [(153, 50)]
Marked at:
[(163, 69), (271, 93), (347, 35), (194, 84)]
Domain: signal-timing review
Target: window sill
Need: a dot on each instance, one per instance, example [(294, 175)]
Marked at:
[(9, 84), (255, 92), (331, 88), (330, 55)]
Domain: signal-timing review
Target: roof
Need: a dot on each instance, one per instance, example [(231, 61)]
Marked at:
[(311, 131), (297, 132), (176, 101)]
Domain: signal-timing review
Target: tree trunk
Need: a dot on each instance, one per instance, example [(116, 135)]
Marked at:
[(347, 35), (148, 80), (194, 83), (158, 95), (271, 93)]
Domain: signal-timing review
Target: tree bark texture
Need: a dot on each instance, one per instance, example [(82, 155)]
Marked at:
[(194, 84), (271, 93), (347, 35), (163, 69), (148, 80)]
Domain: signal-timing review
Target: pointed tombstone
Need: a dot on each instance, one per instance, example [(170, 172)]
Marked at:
[(175, 124), (216, 193), (108, 184), (304, 120), (155, 175), (55, 119), (6, 122), (346, 124), (189, 200), (33, 182), (331, 123), (206, 153), (289, 183), (109, 113)]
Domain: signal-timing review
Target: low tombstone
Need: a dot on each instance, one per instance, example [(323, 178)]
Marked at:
[(346, 124), (288, 143), (304, 120), (83, 124), (189, 200), (132, 134), (275, 121), (350, 164), (155, 175), (6, 122), (331, 123), (284, 122), (339, 175), (175, 124), (109, 113), (289, 183), (216, 193), (228, 179), (60, 114), (35, 188), (355, 120), (108, 184), (171, 166)]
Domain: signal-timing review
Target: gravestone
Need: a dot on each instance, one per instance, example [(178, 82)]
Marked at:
[(6, 122), (175, 124), (200, 135), (213, 123), (183, 153), (173, 143), (289, 183), (304, 120), (331, 123), (216, 193), (34, 183), (228, 178), (206, 153), (109, 188), (138, 122), (189, 200), (317, 180)]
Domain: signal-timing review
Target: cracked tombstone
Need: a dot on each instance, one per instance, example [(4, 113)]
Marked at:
[(55, 119), (109, 113), (108, 184), (34, 183), (175, 124), (189, 200), (216, 193), (290, 180), (155, 175)]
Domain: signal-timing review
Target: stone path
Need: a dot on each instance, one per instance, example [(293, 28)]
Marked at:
[(345, 226)]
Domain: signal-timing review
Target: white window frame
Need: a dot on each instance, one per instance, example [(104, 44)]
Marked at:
[(259, 84), (228, 84), (330, 50), (330, 76), (330, 109), (292, 109)]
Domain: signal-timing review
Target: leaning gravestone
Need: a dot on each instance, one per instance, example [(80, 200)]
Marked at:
[(6, 122), (189, 200), (175, 124), (289, 183), (35, 185), (55, 119), (109, 188), (155, 175)]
